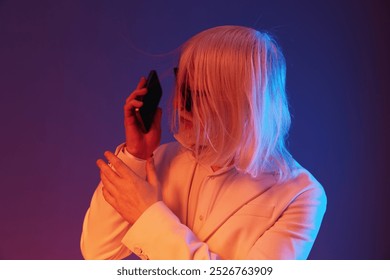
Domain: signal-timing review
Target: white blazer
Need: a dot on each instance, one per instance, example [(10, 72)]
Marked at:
[(209, 215)]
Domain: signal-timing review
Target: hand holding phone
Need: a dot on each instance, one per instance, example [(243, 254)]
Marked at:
[(139, 143), (145, 114)]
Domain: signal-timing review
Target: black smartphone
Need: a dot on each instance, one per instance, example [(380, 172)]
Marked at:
[(151, 99)]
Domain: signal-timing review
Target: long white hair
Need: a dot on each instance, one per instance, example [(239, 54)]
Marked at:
[(231, 82)]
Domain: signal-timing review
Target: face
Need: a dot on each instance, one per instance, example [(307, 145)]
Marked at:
[(183, 103), (184, 110)]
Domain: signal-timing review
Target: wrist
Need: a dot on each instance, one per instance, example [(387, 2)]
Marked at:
[(135, 154)]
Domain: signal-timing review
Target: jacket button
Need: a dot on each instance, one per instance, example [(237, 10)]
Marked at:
[(137, 251)]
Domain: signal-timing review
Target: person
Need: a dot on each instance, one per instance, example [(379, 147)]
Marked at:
[(227, 188)]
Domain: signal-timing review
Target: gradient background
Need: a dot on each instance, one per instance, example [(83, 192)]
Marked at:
[(66, 68)]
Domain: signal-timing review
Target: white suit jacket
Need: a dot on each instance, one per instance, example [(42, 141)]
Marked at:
[(245, 218)]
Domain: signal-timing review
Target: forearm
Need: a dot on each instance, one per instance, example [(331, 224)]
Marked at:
[(158, 234), (103, 227)]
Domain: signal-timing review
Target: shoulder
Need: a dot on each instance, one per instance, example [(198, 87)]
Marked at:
[(303, 180), (303, 188)]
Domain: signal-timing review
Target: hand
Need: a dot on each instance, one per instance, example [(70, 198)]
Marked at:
[(139, 144), (125, 191)]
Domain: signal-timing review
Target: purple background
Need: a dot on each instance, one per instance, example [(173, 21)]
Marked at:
[(66, 68)]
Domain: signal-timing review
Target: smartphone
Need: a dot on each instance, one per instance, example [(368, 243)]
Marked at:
[(151, 99)]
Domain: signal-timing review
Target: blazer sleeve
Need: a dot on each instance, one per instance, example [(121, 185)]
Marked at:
[(158, 234), (103, 228)]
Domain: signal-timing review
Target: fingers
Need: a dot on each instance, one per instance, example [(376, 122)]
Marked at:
[(156, 125), (120, 167), (129, 108), (108, 197), (141, 83), (132, 101), (107, 171), (136, 93), (108, 185), (139, 90)]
